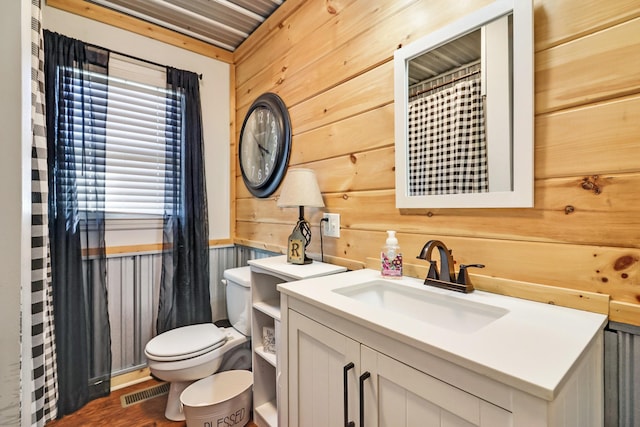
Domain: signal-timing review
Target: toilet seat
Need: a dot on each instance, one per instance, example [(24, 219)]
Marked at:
[(185, 342)]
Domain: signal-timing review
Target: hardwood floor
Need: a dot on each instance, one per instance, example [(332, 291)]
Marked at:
[(108, 411)]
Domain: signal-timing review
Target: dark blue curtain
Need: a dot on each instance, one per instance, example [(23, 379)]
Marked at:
[(184, 290), (75, 150)]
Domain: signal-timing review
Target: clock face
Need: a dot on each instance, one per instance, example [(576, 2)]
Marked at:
[(265, 142), (260, 145)]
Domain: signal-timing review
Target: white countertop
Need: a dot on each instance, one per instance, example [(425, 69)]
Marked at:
[(279, 266), (532, 347)]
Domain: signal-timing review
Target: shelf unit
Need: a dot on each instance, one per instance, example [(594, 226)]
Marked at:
[(266, 274)]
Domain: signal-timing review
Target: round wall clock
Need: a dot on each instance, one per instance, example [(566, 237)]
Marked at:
[(265, 144)]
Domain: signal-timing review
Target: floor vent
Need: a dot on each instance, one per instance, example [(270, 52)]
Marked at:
[(144, 394)]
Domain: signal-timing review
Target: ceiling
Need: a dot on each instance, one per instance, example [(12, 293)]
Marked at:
[(222, 23), (445, 58)]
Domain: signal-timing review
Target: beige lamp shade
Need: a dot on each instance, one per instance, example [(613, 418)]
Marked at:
[(300, 188)]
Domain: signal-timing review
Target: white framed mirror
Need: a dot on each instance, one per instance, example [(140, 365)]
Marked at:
[(464, 112)]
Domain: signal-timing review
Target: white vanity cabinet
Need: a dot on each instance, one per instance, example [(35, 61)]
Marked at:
[(266, 274), (400, 395), (333, 344), (320, 356), (394, 394)]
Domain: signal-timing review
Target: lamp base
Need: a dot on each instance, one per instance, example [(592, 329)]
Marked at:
[(297, 244)]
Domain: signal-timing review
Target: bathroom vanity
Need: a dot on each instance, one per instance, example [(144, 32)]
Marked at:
[(360, 349), (266, 274)]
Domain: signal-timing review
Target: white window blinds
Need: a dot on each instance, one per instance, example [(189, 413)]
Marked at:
[(138, 152)]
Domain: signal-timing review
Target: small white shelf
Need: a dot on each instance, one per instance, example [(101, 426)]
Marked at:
[(269, 413), (266, 275), (270, 307), (269, 357)]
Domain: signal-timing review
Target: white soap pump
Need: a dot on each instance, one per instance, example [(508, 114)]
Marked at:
[(391, 257)]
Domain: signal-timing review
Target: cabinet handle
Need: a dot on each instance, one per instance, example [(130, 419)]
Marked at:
[(345, 370), (363, 378)]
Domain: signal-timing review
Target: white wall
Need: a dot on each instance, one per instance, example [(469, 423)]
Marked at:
[(214, 92), (15, 188)]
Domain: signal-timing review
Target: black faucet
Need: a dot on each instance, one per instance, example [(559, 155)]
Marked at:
[(446, 278)]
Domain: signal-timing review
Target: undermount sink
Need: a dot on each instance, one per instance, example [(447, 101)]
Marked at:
[(448, 312)]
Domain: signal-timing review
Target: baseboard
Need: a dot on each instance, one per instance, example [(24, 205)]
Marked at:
[(130, 378)]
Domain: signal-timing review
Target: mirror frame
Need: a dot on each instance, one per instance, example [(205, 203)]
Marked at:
[(522, 138)]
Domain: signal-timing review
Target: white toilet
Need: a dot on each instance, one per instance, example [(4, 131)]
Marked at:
[(190, 353)]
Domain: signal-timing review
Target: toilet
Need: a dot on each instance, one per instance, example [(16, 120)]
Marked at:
[(184, 355)]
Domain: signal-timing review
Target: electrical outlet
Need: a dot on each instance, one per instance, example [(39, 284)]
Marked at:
[(331, 227)]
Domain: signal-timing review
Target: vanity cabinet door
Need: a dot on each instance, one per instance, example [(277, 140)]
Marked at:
[(397, 395), (394, 394), (317, 357)]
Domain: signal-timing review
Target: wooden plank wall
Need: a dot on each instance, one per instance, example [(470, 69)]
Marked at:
[(331, 62)]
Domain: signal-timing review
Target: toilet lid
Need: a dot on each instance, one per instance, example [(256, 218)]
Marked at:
[(185, 342)]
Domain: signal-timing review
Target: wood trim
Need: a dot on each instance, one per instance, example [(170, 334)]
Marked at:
[(564, 297), (130, 378), (343, 262), (624, 312), (277, 248), (135, 25), (233, 128), (349, 264), (115, 250), (588, 301), (151, 247), (220, 242)]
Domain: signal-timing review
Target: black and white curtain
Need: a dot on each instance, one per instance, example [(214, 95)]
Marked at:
[(447, 144), (42, 365)]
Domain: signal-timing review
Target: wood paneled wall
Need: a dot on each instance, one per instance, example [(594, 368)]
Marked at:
[(331, 62)]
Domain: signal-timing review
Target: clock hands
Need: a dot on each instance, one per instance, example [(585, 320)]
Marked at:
[(260, 146), (262, 149)]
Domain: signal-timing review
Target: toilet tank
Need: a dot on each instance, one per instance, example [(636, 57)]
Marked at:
[(238, 281)]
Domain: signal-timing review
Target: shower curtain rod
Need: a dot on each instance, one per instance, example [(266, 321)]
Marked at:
[(453, 80)]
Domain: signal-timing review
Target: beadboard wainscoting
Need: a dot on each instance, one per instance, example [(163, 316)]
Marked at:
[(133, 286), (622, 375)]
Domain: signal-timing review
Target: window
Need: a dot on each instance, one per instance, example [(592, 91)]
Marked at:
[(131, 139)]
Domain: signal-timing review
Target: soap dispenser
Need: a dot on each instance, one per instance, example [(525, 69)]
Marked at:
[(390, 257)]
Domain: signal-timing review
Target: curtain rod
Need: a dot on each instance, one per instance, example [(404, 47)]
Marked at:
[(134, 57), (454, 74), (453, 80)]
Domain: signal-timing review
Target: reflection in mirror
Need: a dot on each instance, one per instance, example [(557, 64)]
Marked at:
[(446, 120), (464, 133)]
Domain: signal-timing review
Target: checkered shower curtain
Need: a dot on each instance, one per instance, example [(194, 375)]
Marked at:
[(44, 391), (447, 147)]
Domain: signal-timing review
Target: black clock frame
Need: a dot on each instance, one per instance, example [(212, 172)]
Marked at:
[(279, 110)]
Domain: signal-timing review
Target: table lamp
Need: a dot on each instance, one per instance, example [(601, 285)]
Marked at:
[(300, 189)]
